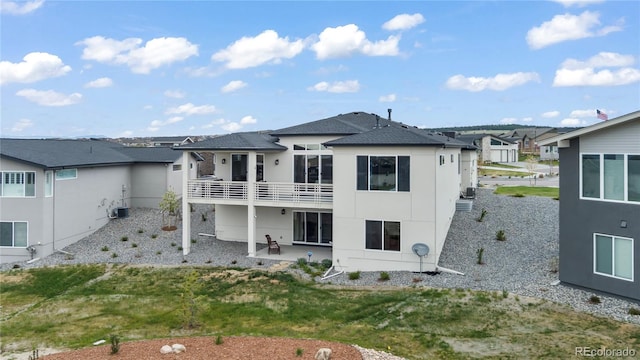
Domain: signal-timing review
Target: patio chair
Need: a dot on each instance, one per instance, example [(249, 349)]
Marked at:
[(273, 245)]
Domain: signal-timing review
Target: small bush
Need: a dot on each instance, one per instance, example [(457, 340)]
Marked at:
[(208, 261), (179, 248), (482, 215), (193, 241), (140, 231), (299, 352), (173, 244), (114, 255), (260, 263), (326, 263), (500, 236), (105, 248), (505, 294), (134, 245), (153, 236), (479, 254), (115, 343), (354, 275), (301, 261), (124, 238), (634, 311), (594, 299), (204, 217), (234, 262), (519, 195), (158, 252), (384, 276), (219, 340)]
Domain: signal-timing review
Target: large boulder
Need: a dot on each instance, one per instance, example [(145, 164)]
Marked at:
[(178, 348), (323, 354), (166, 349)]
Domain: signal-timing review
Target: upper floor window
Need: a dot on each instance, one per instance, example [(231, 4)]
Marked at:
[(383, 173), (13, 233), (177, 167), (66, 174), (18, 184), (613, 177)]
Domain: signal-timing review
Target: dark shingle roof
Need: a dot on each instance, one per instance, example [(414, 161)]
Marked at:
[(55, 153), (343, 124), (399, 136), (256, 141)]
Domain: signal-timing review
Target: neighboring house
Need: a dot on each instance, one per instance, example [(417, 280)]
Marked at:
[(171, 141), (493, 149), (366, 187), (600, 206), (55, 192), (529, 138)]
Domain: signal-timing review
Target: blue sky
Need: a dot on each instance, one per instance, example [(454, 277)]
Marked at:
[(162, 68)]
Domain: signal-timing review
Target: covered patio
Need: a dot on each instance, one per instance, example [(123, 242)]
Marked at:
[(294, 252)]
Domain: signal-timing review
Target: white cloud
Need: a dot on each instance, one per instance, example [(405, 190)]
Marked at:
[(508, 120), (346, 40), (49, 97), (387, 98), (175, 94), (550, 114), (233, 86), (214, 123), (587, 113), (578, 3), (231, 126), (22, 8), (156, 124), (403, 22), (572, 122), (99, 83), (125, 134), (190, 109), (140, 59), (21, 125), (265, 48), (247, 120), (498, 83), (348, 86), (35, 66), (568, 27), (527, 119), (586, 73)]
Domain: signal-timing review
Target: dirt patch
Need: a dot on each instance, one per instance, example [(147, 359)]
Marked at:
[(9, 278)]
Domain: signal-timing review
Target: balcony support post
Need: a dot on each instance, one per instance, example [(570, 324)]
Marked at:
[(186, 208), (251, 209)]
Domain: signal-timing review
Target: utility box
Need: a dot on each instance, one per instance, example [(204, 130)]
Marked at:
[(123, 212)]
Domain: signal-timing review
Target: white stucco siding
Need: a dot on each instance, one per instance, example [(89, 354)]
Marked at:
[(149, 183), (231, 224), (434, 189), (469, 169)]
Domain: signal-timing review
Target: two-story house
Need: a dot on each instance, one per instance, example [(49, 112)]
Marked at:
[(600, 206), (493, 148), (55, 192), (365, 187)]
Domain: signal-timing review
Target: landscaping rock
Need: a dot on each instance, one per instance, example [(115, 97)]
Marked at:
[(323, 354), (178, 348), (166, 349)]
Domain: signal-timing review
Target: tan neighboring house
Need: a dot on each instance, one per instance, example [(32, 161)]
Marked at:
[(55, 192), (364, 187), (492, 148)]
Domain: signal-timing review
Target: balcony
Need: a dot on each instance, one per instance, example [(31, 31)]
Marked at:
[(265, 193)]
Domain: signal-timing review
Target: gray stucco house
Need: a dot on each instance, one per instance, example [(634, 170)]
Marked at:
[(600, 206), (55, 192)]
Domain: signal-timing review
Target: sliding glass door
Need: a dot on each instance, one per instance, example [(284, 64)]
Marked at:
[(312, 227)]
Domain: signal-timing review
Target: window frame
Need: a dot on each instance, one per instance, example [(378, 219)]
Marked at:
[(21, 178), (63, 171), (402, 165), (602, 193), (13, 235), (49, 178), (613, 256), (383, 240)]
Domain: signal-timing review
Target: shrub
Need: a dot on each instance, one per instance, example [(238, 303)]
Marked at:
[(173, 244), (479, 254), (301, 261), (500, 236), (193, 241), (134, 245), (384, 276), (179, 248), (326, 263), (505, 293), (153, 236), (634, 311), (115, 343), (354, 275), (140, 231), (124, 238), (299, 352), (594, 299), (234, 262), (114, 255), (204, 217), (519, 195), (482, 215), (105, 248), (158, 252), (219, 340), (260, 263)]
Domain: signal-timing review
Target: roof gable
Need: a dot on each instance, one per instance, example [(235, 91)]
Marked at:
[(627, 118), (398, 136), (244, 141), (343, 124)]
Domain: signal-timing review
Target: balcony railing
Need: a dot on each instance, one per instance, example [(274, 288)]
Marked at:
[(270, 192)]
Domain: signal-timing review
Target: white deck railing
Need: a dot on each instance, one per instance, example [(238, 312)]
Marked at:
[(264, 191)]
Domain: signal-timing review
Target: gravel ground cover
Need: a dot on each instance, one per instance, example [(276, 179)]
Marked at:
[(523, 264)]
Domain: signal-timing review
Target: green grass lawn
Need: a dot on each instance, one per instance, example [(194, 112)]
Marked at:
[(495, 172), (552, 192), (73, 306)]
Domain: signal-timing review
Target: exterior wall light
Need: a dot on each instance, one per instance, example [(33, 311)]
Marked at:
[(283, 211), (277, 162), (224, 161)]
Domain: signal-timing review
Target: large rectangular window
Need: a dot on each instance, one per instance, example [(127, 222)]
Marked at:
[(613, 256), (383, 173), (382, 235), (66, 174), (18, 184), (13, 233), (613, 177), (311, 166)]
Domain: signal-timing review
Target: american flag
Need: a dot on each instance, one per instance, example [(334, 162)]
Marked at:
[(602, 116)]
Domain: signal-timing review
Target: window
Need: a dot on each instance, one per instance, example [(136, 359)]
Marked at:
[(495, 142), (66, 174), (177, 167), (613, 256), (613, 177), (383, 173), (312, 167), (48, 183), (18, 184), (441, 159), (382, 235), (13, 233)]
